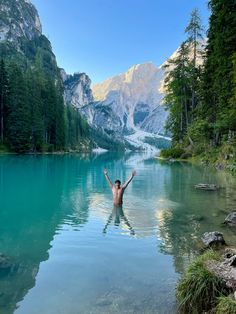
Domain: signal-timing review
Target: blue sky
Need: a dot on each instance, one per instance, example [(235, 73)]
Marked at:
[(106, 37)]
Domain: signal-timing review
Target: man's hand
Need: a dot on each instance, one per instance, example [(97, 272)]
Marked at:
[(107, 178), (133, 173), (129, 180)]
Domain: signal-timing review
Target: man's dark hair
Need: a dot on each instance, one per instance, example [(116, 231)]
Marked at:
[(117, 181)]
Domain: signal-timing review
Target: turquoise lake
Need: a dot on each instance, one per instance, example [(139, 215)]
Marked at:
[(72, 253)]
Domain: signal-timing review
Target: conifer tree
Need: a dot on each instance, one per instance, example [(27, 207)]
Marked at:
[(194, 31), (4, 98), (19, 118), (178, 93), (218, 82)]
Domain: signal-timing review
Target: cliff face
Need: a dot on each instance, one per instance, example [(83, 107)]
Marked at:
[(77, 89), (18, 18), (21, 38), (131, 100)]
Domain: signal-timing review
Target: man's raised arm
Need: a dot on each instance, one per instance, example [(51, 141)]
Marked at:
[(129, 180), (108, 179)]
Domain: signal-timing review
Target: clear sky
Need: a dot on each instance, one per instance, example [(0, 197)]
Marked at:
[(106, 37)]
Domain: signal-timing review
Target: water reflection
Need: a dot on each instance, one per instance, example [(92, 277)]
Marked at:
[(53, 208), (119, 217), (181, 227)]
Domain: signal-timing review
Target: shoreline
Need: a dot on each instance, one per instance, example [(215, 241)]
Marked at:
[(196, 160)]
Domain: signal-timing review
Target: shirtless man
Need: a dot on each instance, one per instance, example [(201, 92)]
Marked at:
[(118, 189)]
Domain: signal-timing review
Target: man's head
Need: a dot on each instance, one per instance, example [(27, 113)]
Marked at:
[(117, 184)]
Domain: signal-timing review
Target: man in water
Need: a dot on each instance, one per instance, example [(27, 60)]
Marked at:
[(117, 188)]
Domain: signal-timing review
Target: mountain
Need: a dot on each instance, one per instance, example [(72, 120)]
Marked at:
[(129, 106), (134, 97), (18, 19), (77, 89), (21, 37), (33, 114)]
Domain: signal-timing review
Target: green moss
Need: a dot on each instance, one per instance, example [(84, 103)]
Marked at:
[(199, 289), (226, 305)]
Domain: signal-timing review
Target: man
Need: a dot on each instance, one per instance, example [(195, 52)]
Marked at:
[(118, 189)]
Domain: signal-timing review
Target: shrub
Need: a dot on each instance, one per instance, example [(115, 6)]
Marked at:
[(226, 305), (199, 289), (173, 152)]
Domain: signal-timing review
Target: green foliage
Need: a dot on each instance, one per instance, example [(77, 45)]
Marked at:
[(33, 114), (202, 100), (226, 305), (199, 289), (106, 141), (4, 149), (178, 93), (199, 131), (182, 82), (18, 128), (173, 152), (4, 99), (218, 86), (76, 127)]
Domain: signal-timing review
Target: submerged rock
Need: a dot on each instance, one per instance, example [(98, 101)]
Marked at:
[(206, 187), (231, 219), (4, 261), (213, 238), (5, 264)]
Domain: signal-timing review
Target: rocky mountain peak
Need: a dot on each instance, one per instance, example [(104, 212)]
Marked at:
[(18, 19), (140, 72), (77, 89)]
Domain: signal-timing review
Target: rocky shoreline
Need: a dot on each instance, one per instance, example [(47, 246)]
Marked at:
[(209, 284)]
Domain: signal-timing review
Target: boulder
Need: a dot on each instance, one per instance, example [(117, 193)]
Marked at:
[(231, 261), (5, 264), (213, 238), (206, 187), (231, 219), (225, 268)]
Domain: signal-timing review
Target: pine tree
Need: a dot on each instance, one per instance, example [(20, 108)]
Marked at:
[(194, 30), (36, 108), (4, 98), (218, 82), (19, 118), (178, 93), (60, 123)]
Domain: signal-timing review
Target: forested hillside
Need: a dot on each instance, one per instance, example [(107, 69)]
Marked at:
[(202, 99), (33, 116)]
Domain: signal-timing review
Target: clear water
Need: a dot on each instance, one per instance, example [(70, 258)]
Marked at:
[(72, 253)]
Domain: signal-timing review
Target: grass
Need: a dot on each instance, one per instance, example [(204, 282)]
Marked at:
[(226, 305), (199, 289)]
